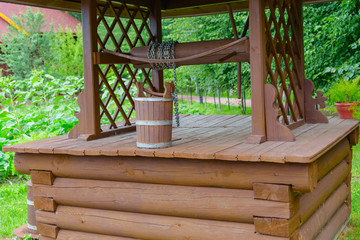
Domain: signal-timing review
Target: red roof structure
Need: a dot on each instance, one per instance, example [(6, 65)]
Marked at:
[(53, 17)]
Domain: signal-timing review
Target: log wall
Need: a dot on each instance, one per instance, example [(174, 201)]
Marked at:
[(150, 198)]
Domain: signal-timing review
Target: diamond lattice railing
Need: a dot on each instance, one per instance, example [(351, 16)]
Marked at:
[(120, 28), (283, 50)]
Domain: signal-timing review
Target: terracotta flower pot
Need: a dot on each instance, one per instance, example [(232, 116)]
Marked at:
[(345, 110)]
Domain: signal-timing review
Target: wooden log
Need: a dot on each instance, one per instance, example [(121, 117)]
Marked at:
[(336, 224), (277, 226), (47, 230), (323, 214), (237, 53), (41, 177), (333, 157), (274, 192), (196, 202), (74, 235), (142, 226), (354, 137), (45, 203), (309, 202), (242, 175)]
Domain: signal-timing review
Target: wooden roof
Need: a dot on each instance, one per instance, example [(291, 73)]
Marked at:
[(170, 8), (217, 137)]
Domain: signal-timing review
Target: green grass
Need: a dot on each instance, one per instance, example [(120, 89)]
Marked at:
[(13, 209), (199, 109)]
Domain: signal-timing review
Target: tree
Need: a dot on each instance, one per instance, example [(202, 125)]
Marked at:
[(26, 50)]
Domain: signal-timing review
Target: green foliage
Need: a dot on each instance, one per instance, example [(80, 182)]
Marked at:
[(345, 91), (67, 58), (12, 206), (332, 41), (59, 54), (25, 51), (38, 107)]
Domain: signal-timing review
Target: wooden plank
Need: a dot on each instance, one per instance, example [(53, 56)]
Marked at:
[(44, 203), (143, 226), (258, 70), (324, 213), (273, 192), (331, 230), (277, 226), (214, 173), (333, 157), (221, 204), (47, 230), (32, 147), (354, 137), (309, 202), (74, 235), (41, 177)]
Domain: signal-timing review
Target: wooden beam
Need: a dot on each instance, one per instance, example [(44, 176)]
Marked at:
[(44, 203), (277, 226), (235, 205), (156, 31), (89, 101), (274, 192), (145, 226), (41, 177), (258, 70), (47, 230), (189, 172), (74, 235)]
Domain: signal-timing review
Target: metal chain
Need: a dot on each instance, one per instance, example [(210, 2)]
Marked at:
[(166, 50)]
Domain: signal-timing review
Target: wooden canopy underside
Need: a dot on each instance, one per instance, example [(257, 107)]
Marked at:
[(170, 8)]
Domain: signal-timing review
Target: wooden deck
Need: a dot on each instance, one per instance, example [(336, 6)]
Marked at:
[(219, 137)]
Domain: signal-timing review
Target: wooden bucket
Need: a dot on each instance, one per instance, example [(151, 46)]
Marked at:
[(154, 115)]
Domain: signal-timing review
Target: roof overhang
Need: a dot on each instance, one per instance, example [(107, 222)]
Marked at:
[(170, 8)]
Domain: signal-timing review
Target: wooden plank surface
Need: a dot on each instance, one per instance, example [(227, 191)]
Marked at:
[(208, 137)]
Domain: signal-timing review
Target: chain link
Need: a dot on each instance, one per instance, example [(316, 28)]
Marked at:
[(166, 50)]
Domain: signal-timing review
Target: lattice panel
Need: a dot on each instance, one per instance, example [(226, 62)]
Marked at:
[(283, 49), (120, 28)]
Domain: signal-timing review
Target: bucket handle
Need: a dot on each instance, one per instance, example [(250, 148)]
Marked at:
[(169, 89)]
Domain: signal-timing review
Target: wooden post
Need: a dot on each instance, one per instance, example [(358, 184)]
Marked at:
[(299, 35), (258, 70), (156, 30), (89, 101)]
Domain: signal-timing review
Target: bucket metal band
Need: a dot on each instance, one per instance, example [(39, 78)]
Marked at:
[(154, 123), (29, 202), (153, 99), (155, 145), (31, 227)]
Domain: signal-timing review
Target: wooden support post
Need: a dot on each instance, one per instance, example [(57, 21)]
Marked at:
[(258, 70), (274, 226), (297, 16), (89, 101), (156, 30)]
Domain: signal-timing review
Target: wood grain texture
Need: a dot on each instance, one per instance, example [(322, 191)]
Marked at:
[(239, 175), (273, 192), (354, 137), (144, 226), (309, 202), (45, 203), (42, 177), (277, 226), (74, 235), (195, 202), (46, 238), (333, 157), (225, 141), (47, 230), (337, 221), (324, 213)]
